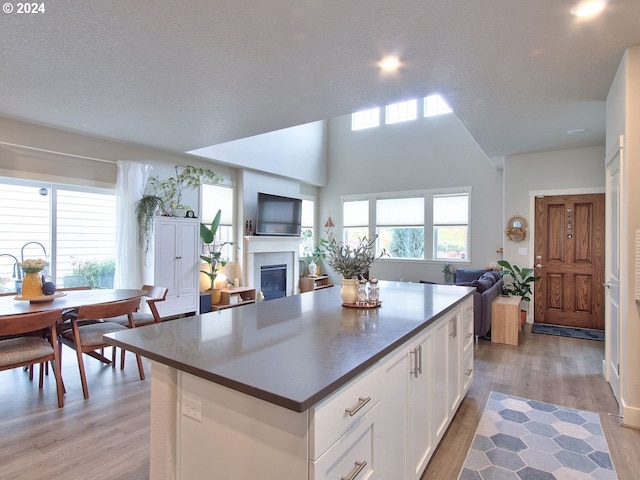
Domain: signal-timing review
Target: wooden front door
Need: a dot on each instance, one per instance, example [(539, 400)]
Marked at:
[(569, 258)]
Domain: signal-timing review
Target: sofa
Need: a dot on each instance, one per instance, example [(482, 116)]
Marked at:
[(488, 284)]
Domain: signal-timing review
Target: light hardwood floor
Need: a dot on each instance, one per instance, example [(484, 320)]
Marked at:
[(563, 371), (107, 436)]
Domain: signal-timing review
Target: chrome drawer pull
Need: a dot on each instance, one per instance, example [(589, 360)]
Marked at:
[(362, 401), (468, 372), (359, 466)]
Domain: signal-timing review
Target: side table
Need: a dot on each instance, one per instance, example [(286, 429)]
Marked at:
[(505, 319)]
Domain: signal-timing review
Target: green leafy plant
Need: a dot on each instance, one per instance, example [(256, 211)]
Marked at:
[(213, 255), (448, 273), (99, 273), (521, 279), (353, 262), (166, 196), (314, 253)]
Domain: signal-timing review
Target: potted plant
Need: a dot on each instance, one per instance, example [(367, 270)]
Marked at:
[(352, 263), (314, 256), (212, 254), (166, 197), (448, 273), (521, 281)]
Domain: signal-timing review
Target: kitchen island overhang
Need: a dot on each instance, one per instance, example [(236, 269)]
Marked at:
[(294, 351)]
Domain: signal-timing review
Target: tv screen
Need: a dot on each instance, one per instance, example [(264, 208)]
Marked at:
[(278, 215)]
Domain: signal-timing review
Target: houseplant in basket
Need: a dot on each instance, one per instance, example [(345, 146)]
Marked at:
[(520, 283), (352, 263)]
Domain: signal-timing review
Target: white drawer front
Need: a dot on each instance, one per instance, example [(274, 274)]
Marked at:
[(353, 456), (331, 418)]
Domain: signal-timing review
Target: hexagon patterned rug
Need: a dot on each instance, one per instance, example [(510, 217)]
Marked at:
[(521, 439)]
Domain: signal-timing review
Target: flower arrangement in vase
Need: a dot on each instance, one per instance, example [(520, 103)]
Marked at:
[(352, 263), (31, 283)]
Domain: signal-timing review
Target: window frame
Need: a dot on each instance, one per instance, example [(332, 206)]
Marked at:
[(52, 243), (427, 195)]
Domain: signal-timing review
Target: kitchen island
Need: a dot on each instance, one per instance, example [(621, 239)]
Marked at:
[(302, 387)]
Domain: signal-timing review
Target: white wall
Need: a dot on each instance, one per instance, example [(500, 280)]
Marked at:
[(623, 118), (297, 153), (435, 152), (573, 170)]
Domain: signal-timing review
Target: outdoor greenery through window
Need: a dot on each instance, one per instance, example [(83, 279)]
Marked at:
[(400, 226), (421, 225), (73, 229)]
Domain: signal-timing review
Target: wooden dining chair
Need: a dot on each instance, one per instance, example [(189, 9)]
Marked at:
[(88, 339), (154, 294), (39, 347)]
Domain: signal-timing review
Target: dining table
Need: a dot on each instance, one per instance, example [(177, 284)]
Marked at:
[(66, 300)]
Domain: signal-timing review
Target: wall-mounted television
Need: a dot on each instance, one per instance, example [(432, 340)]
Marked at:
[(278, 215)]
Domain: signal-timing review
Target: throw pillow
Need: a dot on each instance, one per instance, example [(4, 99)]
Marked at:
[(464, 275)]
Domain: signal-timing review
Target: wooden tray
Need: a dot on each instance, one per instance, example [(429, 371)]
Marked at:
[(368, 305), (40, 298)]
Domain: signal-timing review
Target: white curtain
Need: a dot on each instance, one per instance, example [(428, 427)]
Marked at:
[(130, 183)]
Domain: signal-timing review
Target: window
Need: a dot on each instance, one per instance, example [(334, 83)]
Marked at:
[(400, 226), (73, 229), (365, 119), (430, 225), (355, 215), (401, 112), (435, 105), (307, 240), (214, 198), (451, 226)]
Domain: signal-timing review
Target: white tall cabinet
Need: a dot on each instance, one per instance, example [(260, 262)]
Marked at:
[(175, 263)]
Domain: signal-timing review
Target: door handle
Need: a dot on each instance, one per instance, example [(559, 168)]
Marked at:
[(606, 284), (539, 265)]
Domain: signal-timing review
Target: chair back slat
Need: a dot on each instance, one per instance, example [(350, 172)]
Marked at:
[(154, 292), (28, 322), (108, 310)]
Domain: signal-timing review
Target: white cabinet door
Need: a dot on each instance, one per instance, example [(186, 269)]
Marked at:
[(419, 395), (438, 364), (175, 264), (393, 415), (454, 360)]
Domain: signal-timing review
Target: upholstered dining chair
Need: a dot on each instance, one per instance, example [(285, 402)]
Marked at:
[(87, 338), (154, 295), (25, 350)]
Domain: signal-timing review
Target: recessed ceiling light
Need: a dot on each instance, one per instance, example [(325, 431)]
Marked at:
[(576, 131), (390, 63), (588, 8)]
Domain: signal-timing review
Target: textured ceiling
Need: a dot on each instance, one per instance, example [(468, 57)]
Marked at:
[(184, 75)]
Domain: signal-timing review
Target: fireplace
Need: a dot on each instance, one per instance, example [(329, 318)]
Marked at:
[(273, 281), (262, 251)]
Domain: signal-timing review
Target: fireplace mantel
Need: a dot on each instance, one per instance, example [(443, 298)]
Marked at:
[(262, 250)]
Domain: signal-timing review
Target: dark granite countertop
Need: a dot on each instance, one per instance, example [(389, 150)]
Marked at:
[(293, 351)]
